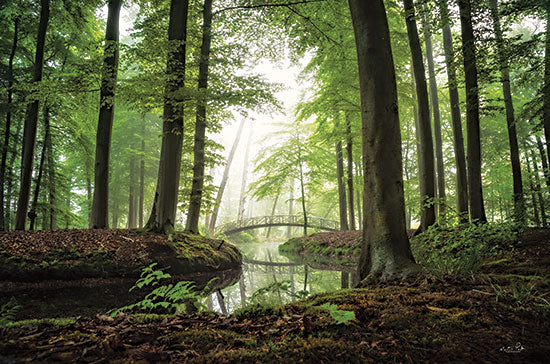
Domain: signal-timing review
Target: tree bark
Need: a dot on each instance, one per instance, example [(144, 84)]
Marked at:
[(349, 150), (434, 102), (385, 251), (51, 178), (302, 186), (31, 122), (475, 193), (544, 161), (342, 201), (172, 135), (100, 204), (539, 192), (519, 202), (225, 177), (32, 212), (458, 138), (131, 195), (7, 130), (533, 191), (142, 173), (546, 88), (358, 201), (200, 124), (10, 201), (426, 153)]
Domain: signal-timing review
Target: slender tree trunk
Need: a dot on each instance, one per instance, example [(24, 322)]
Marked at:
[(342, 202), (114, 213), (131, 195), (7, 130), (51, 177), (302, 187), (242, 198), (225, 177), (434, 102), (200, 124), (539, 191), (349, 149), (38, 183), (385, 251), (242, 290), (426, 153), (221, 302), (344, 280), (10, 200), (546, 88), (533, 191), (142, 173), (290, 208), (273, 213), (100, 204), (172, 126), (519, 202), (31, 122), (458, 139), (358, 198), (540, 147), (475, 193)]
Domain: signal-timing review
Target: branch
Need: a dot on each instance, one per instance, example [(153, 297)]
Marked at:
[(265, 6)]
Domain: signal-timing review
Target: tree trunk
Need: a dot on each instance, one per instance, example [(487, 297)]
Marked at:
[(302, 187), (142, 173), (539, 192), (349, 149), (358, 199), (426, 152), (458, 139), (200, 124), (221, 302), (544, 161), (172, 126), (31, 122), (434, 102), (100, 204), (533, 191), (131, 195), (7, 130), (273, 213), (290, 208), (519, 202), (242, 198), (546, 88), (114, 213), (385, 251), (38, 183), (342, 201), (51, 177), (10, 205), (475, 193), (225, 177), (344, 280)]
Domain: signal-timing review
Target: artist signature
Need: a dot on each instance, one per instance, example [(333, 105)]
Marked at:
[(518, 348)]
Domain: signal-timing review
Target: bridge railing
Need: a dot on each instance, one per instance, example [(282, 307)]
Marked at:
[(312, 221)]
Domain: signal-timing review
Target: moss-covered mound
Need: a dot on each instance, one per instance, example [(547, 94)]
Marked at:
[(338, 247), (75, 254)]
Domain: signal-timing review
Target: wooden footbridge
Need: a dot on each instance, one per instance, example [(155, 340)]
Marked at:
[(313, 222)]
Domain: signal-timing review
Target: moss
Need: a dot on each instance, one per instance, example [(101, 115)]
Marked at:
[(256, 310), (60, 321)]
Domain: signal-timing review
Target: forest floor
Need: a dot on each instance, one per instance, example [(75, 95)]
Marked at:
[(500, 315)]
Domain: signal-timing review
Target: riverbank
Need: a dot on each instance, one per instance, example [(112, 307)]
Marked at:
[(500, 315)]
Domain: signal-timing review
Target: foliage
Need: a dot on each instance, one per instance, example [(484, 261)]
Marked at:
[(461, 249), (340, 316), (166, 298), (260, 295), (8, 312)]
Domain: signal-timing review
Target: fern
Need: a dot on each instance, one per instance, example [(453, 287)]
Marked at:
[(8, 312)]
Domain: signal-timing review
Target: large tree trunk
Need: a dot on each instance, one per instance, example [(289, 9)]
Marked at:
[(385, 251), (225, 177), (434, 102), (342, 202), (426, 152), (7, 130), (142, 173), (38, 183), (31, 123), (349, 149), (172, 126), (458, 139), (475, 193), (100, 204), (200, 124), (242, 197), (519, 202)]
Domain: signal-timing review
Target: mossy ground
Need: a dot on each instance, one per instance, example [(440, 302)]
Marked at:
[(440, 320)]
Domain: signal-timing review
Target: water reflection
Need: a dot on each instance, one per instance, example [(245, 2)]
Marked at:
[(269, 277)]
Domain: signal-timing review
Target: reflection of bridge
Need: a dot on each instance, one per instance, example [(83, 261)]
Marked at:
[(277, 220)]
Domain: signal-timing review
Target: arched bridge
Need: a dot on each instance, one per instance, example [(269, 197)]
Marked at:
[(277, 220)]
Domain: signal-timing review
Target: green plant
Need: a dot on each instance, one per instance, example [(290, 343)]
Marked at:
[(169, 298), (8, 312), (279, 287), (340, 316)]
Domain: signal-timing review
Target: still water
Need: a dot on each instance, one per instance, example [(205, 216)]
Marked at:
[(269, 277)]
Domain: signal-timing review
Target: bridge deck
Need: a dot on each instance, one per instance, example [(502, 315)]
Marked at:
[(277, 220)]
